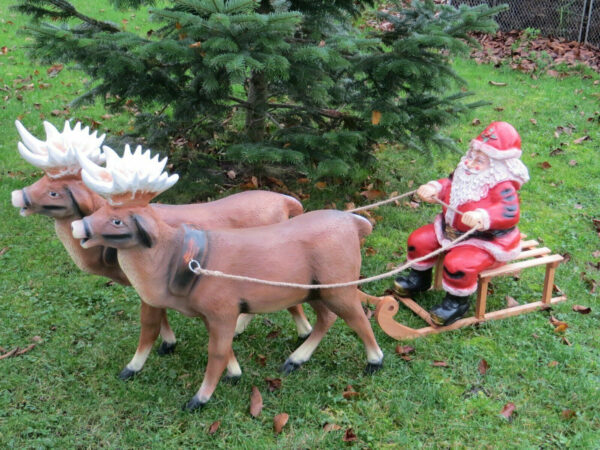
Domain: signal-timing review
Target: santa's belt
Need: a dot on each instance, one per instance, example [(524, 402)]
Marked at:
[(487, 235)]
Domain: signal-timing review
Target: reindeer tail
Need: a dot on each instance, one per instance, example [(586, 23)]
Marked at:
[(364, 226), (294, 207)]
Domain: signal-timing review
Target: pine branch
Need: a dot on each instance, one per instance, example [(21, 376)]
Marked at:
[(69, 9)]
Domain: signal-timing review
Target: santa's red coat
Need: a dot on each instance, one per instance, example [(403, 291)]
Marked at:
[(499, 242)]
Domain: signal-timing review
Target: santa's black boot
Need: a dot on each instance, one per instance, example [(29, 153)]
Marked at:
[(450, 310), (416, 281)]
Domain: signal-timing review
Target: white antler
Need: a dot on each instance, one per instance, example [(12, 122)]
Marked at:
[(133, 178), (57, 155)]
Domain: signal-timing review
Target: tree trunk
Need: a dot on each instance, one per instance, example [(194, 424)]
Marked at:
[(256, 115)]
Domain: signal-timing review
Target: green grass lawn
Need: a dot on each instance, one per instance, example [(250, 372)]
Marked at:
[(65, 391)]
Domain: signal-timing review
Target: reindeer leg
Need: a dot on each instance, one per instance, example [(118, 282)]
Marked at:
[(150, 319), (325, 319), (242, 322), (220, 337), (302, 324), (234, 371), (169, 342), (345, 302)]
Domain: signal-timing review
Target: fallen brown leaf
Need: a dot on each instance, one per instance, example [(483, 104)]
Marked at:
[(320, 185), (595, 254), (553, 364), (372, 194), (349, 392), (582, 309), (331, 427), (273, 334), (568, 414), (4, 250), (581, 139), (256, 402), (349, 436), (9, 354), (508, 410), (533, 121), (370, 251), (499, 108), (375, 117), (350, 205), (404, 349), (262, 360), (483, 367), (25, 350), (214, 427), (54, 70), (496, 83), (544, 165), (572, 163), (476, 122), (273, 384), (440, 364), (557, 151), (279, 422), (511, 302)]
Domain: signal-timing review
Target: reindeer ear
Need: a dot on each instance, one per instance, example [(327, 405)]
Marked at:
[(146, 232), (83, 202)]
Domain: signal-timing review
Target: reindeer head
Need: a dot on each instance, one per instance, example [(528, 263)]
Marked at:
[(128, 183), (60, 193)]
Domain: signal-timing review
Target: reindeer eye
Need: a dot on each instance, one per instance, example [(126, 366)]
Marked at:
[(53, 194), (117, 222)]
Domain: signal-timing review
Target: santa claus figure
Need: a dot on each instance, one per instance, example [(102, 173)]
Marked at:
[(483, 189)]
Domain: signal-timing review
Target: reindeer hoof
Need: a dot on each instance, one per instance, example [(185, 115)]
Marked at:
[(193, 405), (127, 374), (372, 368), (231, 379), (166, 348), (289, 366)]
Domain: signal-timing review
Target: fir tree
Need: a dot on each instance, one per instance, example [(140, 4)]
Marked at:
[(287, 83)]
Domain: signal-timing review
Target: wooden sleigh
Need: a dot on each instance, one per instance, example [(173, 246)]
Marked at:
[(531, 256)]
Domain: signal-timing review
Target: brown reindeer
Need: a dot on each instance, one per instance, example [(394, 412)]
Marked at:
[(313, 248), (62, 195)]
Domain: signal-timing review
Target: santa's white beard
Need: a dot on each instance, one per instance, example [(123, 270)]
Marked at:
[(471, 187)]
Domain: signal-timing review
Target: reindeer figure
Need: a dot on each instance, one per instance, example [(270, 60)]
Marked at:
[(315, 247), (62, 195)]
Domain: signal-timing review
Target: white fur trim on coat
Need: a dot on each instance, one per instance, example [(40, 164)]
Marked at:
[(499, 253), (493, 152), (459, 292)]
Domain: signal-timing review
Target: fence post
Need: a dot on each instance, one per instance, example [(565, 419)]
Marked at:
[(589, 21)]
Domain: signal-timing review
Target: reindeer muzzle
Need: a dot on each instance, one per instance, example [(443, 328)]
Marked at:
[(19, 199), (81, 230)]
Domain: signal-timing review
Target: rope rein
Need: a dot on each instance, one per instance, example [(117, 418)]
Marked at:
[(195, 266)]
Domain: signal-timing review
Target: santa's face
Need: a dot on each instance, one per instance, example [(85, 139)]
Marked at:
[(476, 162)]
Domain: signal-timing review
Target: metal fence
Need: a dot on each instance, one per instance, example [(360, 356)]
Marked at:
[(574, 20)]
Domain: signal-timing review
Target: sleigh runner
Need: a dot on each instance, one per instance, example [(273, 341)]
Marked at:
[(531, 256)]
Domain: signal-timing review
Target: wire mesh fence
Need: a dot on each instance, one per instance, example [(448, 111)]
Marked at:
[(574, 20)]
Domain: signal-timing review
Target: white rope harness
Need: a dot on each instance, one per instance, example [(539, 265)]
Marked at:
[(195, 266)]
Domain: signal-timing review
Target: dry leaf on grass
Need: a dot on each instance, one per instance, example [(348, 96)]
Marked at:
[(214, 427), (511, 302), (483, 367), (349, 392), (273, 384), (496, 83), (582, 309), (440, 364), (568, 414), (553, 364), (256, 402), (404, 349), (331, 427), (544, 165), (279, 422), (372, 194), (349, 436), (508, 410), (581, 139)]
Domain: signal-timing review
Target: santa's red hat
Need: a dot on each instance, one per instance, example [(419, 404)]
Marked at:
[(499, 140)]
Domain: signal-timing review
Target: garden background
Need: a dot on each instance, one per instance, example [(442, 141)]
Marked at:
[(64, 391)]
